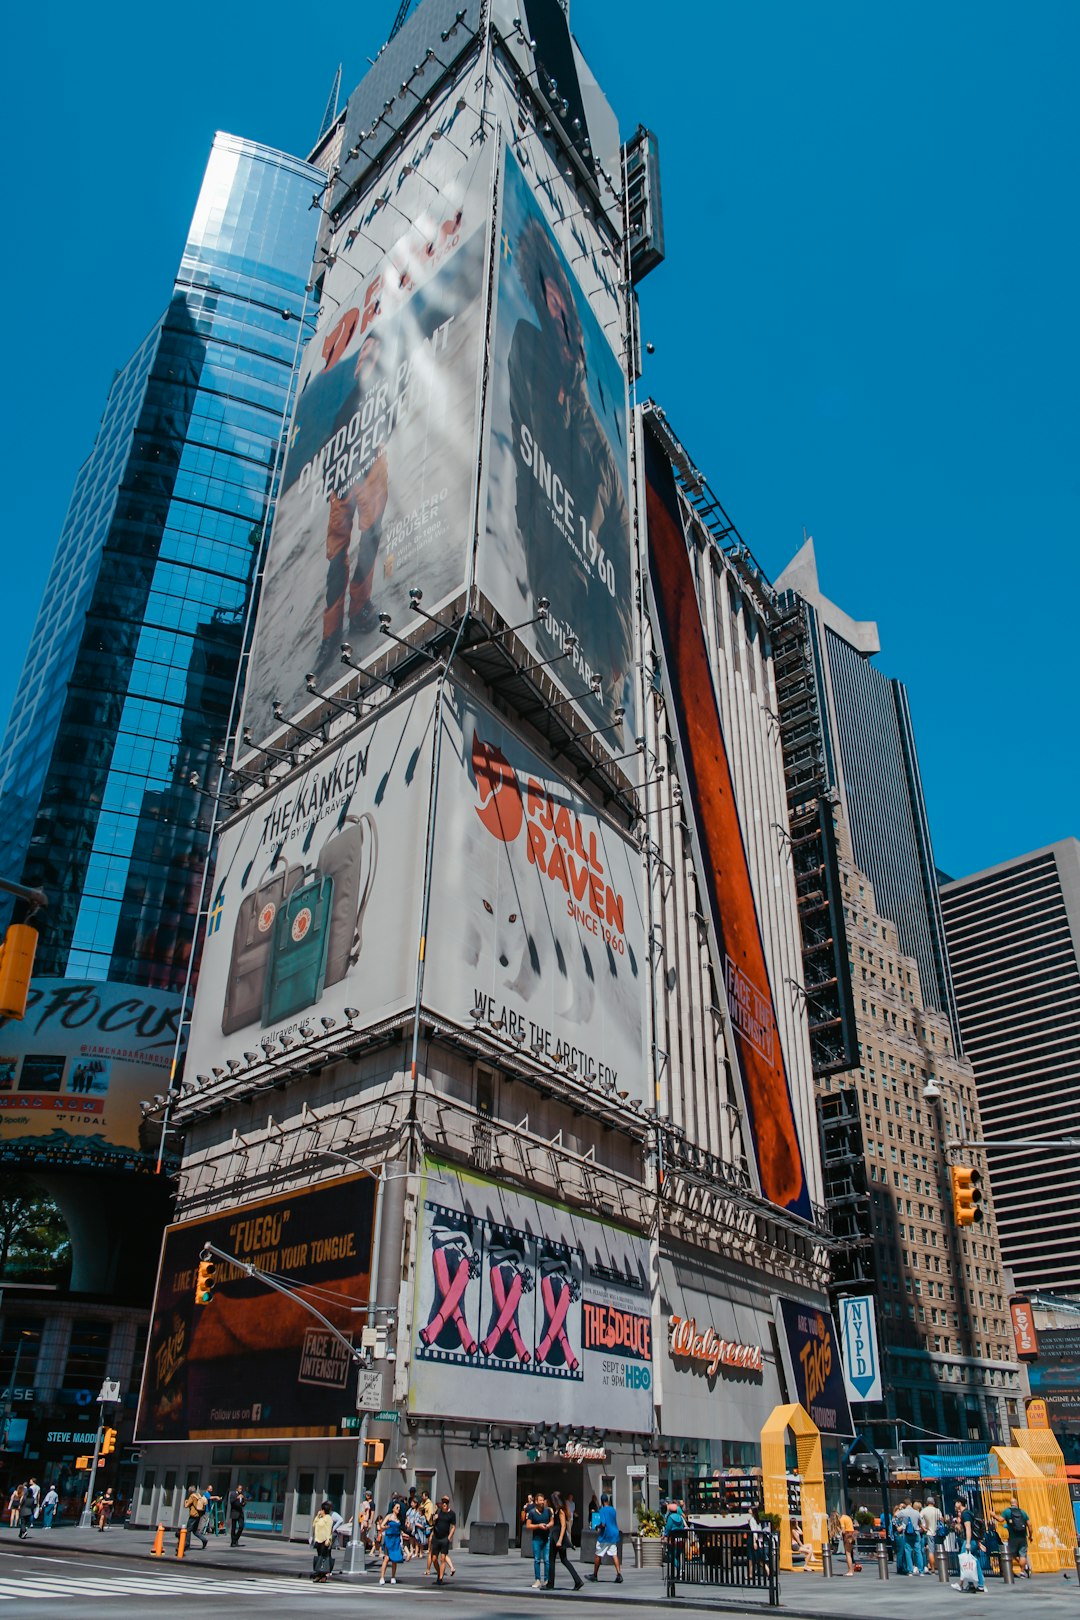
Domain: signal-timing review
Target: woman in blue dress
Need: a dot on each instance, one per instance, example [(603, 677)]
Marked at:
[(392, 1550)]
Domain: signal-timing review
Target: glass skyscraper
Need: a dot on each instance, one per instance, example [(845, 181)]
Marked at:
[(128, 682)]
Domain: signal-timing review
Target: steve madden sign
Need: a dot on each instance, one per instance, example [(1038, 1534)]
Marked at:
[(708, 1349)]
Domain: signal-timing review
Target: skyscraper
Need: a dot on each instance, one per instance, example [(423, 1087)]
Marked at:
[(1014, 943), (895, 1094), (112, 741), (869, 760), (129, 676)]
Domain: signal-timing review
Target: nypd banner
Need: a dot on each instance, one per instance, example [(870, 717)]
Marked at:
[(859, 1341)]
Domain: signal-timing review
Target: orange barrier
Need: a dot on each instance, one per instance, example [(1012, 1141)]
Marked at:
[(159, 1542), (182, 1543)]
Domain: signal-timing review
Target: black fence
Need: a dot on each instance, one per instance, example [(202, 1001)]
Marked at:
[(741, 1558)]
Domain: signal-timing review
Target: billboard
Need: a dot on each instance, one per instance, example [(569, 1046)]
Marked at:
[(74, 1070), (862, 1358), (536, 922), (253, 1364), (1055, 1376), (299, 886), (719, 848), (558, 518), (1025, 1336), (377, 492), (810, 1351), (527, 1312)]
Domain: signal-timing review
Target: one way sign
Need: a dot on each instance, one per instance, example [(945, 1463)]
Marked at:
[(858, 1335)]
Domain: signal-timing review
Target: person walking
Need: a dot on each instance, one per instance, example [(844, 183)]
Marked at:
[(365, 1521), (443, 1526), (237, 1516), (1016, 1526), (540, 1519), (560, 1538), (933, 1520), (322, 1539), (14, 1504), (967, 1536), (195, 1503), (606, 1525), (847, 1536), (105, 1507), (393, 1555), (900, 1540), (49, 1504), (26, 1512)]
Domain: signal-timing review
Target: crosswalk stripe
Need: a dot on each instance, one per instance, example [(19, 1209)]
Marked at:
[(137, 1585)]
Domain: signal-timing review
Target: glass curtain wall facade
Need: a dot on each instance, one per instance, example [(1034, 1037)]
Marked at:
[(129, 678)]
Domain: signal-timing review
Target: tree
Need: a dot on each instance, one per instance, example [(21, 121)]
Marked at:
[(33, 1234)]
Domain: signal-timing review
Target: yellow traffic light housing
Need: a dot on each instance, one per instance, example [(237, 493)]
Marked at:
[(374, 1452), (966, 1195), (81, 1464), (16, 968), (108, 1442), (206, 1281)]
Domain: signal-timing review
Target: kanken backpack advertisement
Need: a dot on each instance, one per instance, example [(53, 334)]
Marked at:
[(299, 885)]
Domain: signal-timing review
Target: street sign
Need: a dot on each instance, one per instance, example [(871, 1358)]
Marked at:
[(636, 1471), (368, 1389), (110, 1390), (351, 1425), (387, 1417), (858, 1334)]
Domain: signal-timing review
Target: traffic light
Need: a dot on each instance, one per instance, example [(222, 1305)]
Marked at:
[(966, 1195), (82, 1464), (108, 1442), (16, 967), (374, 1452), (206, 1281)]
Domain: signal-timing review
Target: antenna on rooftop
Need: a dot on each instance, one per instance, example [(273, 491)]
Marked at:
[(331, 106)]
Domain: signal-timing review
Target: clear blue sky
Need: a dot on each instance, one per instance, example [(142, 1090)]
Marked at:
[(867, 324)]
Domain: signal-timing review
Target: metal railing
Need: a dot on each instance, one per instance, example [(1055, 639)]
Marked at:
[(711, 1557)]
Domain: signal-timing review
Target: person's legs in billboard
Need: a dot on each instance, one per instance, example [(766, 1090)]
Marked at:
[(370, 497), (338, 532)]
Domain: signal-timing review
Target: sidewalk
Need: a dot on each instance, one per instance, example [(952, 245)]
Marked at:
[(808, 1595)]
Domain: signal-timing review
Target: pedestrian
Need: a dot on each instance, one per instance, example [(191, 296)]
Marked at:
[(443, 1526), (847, 1536), (322, 1539), (540, 1520), (674, 1538), (934, 1522), (915, 1532), (195, 1504), (560, 1540), (237, 1516), (49, 1504), (968, 1541), (365, 1521), (391, 1539), (900, 1539), (14, 1504), (1016, 1525), (26, 1512), (105, 1509)]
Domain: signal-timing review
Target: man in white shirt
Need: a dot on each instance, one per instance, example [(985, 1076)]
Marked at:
[(931, 1517)]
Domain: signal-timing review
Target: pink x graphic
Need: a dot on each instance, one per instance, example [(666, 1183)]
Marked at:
[(507, 1301), (555, 1310), (451, 1288)]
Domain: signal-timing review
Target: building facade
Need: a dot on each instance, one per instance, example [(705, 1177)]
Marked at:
[(109, 768), (896, 1095), (476, 1058), (1014, 941)]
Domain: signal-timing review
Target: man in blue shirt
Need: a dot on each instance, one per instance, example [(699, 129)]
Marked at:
[(606, 1526)]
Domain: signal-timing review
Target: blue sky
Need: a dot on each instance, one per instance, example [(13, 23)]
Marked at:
[(867, 325)]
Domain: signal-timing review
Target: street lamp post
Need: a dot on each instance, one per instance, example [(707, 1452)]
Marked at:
[(108, 1395)]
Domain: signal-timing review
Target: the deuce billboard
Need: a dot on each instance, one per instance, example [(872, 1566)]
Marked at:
[(536, 923), (252, 1364), (316, 892), (558, 522), (528, 1312)]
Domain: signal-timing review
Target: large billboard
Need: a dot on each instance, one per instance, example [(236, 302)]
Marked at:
[(810, 1350), (536, 922), (74, 1070), (316, 892), (525, 1311), (558, 519), (377, 492), (719, 848), (253, 1364)]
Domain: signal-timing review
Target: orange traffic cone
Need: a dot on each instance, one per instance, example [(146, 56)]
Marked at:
[(159, 1542), (182, 1543)]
